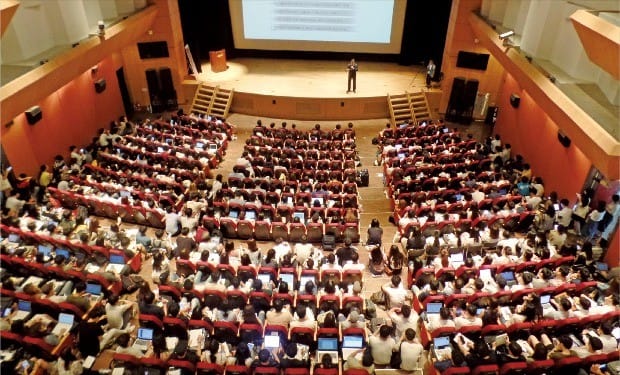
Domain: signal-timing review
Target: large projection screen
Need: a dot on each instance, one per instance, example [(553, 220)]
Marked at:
[(363, 26)]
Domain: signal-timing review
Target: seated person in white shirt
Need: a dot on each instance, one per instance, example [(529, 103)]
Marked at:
[(468, 318), (593, 345), (444, 319), (125, 348), (562, 309), (603, 332)]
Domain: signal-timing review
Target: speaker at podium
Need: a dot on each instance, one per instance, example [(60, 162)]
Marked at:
[(218, 60)]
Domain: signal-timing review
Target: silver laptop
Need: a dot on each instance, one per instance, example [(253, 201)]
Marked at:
[(24, 308), (94, 290), (351, 344), (441, 347), (265, 278), (457, 260), (145, 337), (65, 323), (327, 346), (545, 301), (303, 280), (485, 274), (272, 341), (117, 262)]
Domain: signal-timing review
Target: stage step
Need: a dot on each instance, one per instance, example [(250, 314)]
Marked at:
[(212, 101), (419, 107)]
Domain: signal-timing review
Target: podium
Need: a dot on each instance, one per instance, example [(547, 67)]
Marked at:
[(218, 60)]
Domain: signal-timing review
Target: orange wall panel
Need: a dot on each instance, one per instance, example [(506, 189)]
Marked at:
[(532, 134), (71, 116)]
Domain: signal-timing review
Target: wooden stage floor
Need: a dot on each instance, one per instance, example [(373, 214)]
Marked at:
[(314, 78)]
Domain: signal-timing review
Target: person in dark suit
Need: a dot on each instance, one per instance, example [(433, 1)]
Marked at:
[(352, 74)]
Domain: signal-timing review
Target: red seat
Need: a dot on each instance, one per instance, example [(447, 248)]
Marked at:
[(206, 368), (183, 365), (457, 371), (513, 368), (237, 370), (540, 367), (485, 370)]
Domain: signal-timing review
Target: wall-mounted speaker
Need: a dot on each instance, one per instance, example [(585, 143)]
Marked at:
[(34, 114), (100, 85), (564, 140), (515, 100)]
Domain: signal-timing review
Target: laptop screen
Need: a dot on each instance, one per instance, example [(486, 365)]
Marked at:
[(63, 252), (272, 341), (23, 305), (233, 214), (288, 278), (326, 343), (602, 266), (545, 298), (456, 258), (433, 307), (200, 145), (458, 197), (508, 275), (213, 146), (250, 215), (160, 149), (300, 215), (485, 273), (14, 238), (117, 259), (145, 333), (45, 250), (304, 280), (265, 278), (441, 342), (65, 318), (319, 199), (93, 289), (352, 341)]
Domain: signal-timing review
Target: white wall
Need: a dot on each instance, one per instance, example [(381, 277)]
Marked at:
[(29, 33), (74, 19)]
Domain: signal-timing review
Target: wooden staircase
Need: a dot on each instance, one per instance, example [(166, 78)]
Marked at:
[(212, 101), (408, 107)]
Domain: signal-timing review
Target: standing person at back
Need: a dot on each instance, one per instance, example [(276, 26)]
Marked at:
[(430, 72)]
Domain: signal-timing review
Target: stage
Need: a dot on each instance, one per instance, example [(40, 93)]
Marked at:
[(313, 89)]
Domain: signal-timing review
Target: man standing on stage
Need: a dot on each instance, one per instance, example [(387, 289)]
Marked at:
[(430, 72), (352, 73)]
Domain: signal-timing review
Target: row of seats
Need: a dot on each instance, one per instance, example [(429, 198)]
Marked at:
[(194, 126), (131, 214), (199, 151), (111, 164)]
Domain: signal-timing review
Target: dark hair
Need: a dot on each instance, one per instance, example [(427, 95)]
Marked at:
[(123, 340), (409, 334), (385, 331), (264, 355), (540, 352)]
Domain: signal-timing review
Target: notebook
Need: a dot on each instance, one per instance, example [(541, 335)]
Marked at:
[(327, 346), (117, 262), (272, 341), (145, 336), (351, 344), (23, 310), (65, 323)]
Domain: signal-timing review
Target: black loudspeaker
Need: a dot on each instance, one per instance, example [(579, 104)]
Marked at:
[(169, 95), (515, 100), (100, 85), (155, 95), (564, 140), (455, 105), (34, 114)]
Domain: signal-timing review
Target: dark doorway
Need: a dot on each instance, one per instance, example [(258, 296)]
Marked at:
[(122, 85)]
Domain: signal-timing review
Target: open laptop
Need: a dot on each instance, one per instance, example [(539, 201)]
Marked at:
[(272, 341), (545, 301), (116, 264), (200, 145), (65, 323), (441, 347), (265, 278), (351, 344), (64, 253), (14, 238), (24, 308), (94, 290), (602, 266), (327, 345), (509, 276), (212, 146), (433, 307), (250, 215), (485, 274), (233, 214), (145, 337), (457, 260), (289, 279), (301, 216), (303, 280), (45, 251)]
